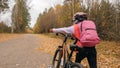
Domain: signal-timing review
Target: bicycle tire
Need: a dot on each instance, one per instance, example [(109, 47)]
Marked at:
[(76, 65), (57, 58), (73, 65)]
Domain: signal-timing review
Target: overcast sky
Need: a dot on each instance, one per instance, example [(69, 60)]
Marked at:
[(37, 7)]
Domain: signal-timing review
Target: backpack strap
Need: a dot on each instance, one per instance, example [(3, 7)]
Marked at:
[(81, 26)]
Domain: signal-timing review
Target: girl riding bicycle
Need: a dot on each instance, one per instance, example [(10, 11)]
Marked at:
[(88, 52)]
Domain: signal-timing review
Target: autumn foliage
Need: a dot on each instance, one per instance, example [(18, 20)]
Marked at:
[(104, 13)]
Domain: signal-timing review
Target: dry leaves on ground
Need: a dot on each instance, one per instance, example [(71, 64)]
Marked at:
[(4, 37), (108, 53), (49, 44)]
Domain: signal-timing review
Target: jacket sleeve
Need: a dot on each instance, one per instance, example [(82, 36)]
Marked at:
[(68, 30)]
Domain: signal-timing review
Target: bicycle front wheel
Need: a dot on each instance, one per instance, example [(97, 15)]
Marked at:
[(57, 58)]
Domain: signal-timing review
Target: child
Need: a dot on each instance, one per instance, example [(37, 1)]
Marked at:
[(88, 52)]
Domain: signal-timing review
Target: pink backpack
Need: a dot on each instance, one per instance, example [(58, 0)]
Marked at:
[(89, 36)]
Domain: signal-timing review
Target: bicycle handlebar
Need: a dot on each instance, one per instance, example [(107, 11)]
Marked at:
[(66, 36)]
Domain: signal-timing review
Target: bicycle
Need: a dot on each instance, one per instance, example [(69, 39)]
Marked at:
[(62, 58)]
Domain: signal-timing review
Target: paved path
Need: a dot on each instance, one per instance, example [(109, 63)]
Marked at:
[(21, 53)]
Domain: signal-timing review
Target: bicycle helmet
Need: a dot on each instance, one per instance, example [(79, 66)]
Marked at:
[(79, 17)]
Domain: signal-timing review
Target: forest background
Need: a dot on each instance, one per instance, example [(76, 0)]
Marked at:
[(105, 14)]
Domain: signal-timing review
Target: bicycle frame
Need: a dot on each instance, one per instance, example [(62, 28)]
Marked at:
[(62, 57), (65, 53)]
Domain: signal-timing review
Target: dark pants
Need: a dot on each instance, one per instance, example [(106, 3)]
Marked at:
[(91, 55)]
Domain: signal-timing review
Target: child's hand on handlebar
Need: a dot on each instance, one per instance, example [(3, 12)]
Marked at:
[(51, 30)]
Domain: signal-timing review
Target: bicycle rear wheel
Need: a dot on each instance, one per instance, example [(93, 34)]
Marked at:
[(70, 64), (57, 58), (76, 65)]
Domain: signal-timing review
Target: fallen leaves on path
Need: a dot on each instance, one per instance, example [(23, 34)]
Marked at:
[(5, 37), (108, 53), (48, 45)]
